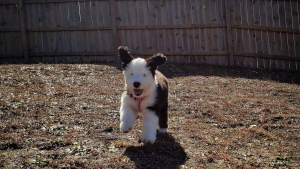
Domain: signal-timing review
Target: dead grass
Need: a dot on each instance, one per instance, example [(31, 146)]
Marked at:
[(67, 116)]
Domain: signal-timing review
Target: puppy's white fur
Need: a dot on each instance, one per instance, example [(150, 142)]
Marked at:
[(137, 71)]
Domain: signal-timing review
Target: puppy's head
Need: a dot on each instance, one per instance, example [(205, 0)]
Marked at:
[(139, 73)]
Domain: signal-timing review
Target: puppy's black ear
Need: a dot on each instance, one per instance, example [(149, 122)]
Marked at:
[(156, 60), (125, 56)]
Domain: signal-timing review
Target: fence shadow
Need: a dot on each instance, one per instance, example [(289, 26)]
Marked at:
[(172, 70), (164, 153)]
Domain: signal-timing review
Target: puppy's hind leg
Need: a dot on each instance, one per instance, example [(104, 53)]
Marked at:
[(163, 119), (127, 118)]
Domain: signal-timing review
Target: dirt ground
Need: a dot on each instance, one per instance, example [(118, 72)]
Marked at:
[(67, 116)]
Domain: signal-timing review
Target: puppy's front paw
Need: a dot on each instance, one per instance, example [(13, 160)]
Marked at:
[(124, 128), (147, 139)]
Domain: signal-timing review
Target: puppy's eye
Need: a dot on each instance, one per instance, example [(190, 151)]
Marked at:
[(144, 75)]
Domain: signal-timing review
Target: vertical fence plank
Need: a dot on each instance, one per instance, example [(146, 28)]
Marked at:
[(121, 20), (280, 11), (160, 35), (297, 44), (295, 23), (133, 21), (194, 32), (284, 36), (206, 31), (23, 30), (270, 38), (148, 33), (53, 22), (113, 23), (165, 21), (97, 20), (222, 33), (290, 40), (276, 23), (141, 21), (257, 33), (297, 37), (64, 18), (252, 34), (199, 37), (2, 35), (177, 32), (173, 20), (264, 34), (229, 35), (185, 19), (89, 36), (34, 35), (238, 41), (214, 31), (39, 35), (246, 33), (12, 39), (189, 32), (179, 37)]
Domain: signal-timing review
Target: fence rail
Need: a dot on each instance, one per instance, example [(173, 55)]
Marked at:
[(246, 33)]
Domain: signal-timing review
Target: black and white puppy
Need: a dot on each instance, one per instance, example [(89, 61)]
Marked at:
[(146, 92)]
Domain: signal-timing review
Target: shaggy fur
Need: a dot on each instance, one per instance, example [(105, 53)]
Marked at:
[(146, 92)]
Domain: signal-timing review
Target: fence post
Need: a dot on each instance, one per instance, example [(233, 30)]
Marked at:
[(229, 35), (23, 30), (114, 28)]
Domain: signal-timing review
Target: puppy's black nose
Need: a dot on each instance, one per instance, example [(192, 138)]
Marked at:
[(136, 84)]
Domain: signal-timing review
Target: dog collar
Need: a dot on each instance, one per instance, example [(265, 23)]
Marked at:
[(138, 99)]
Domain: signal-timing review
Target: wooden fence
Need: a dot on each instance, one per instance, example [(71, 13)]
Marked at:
[(247, 33)]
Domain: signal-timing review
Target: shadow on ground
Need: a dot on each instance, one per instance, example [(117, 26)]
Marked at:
[(172, 70), (164, 153)]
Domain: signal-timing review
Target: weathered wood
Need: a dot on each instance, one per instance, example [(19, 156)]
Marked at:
[(54, 29), (160, 35), (270, 29), (260, 55), (252, 34), (6, 2), (206, 32), (211, 53), (269, 38), (245, 33), (295, 25), (257, 33), (179, 33), (6, 56), (229, 35), (214, 31), (114, 28), (71, 54), (23, 30), (265, 33), (122, 19), (237, 33), (63, 1), (284, 24)]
